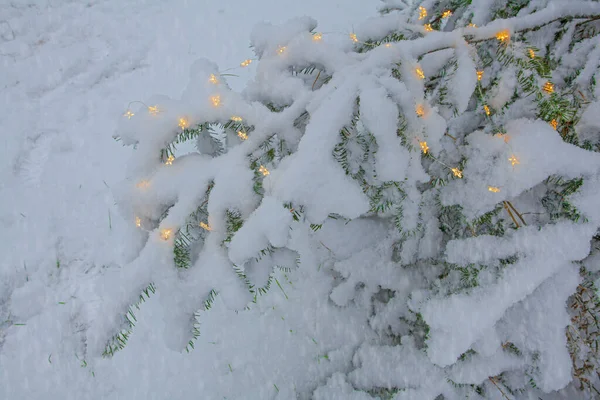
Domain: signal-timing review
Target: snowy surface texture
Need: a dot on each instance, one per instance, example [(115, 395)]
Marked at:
[(356, 299)]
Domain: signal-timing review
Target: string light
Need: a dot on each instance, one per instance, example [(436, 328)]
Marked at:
[(213, 78), (420, 110), (353, 37), (554, 124), (493, 189), (422, 12), (486, 109), (142, 184), (424, 147), (503, 36), (205, 226), (503, 136), (420, 73), (245, 63), (153, 110), (472, 25), (165, 234), (263, 170), (513, 160), (281, 49), (457, 172), (235, 118), (128, 114), (242, 135), (170, 160), (479, 75), (428, 27), (388, 45), (216, 100), (317, 36), (138, 222), (183, 123), (548, 87), (531, 53), (446, 14)]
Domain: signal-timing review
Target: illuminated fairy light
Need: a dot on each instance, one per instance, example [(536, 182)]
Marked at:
[(531, 53), (554, 124), (503, 36), (235, 118), (424, 147), (353, 37), (245, 63), (183, 123), (420, 110), (513, 160), (457, 172), (422, 12), (420, 73), (153, 110), (487, 110), (138, 222), (216, 100), (281, 49), (446, 14), (503, 136), (263, 170), (128, 114), (213, 79), (388, 45), (165, 234), (479, 75), (205, 226), (493, 189), (142, 184), (428, 27), (242, 135), (317, 37), (170, 160), (548, 87), (472, 25)]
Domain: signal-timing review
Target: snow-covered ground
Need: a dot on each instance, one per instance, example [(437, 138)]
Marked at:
[(68, 69)]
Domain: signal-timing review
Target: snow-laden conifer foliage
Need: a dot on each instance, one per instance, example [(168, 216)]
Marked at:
[(463, 134)]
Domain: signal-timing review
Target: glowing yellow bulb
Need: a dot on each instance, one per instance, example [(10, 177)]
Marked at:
[(183, 123), (205, 226), (153, 110), (493, 189), (457, 172), (424, 147), (165, 234), (281, 49), (446, 14), (503, 36), (420, 110), (428, 27), (235, 118), (472, 25), (531, 53), (138, 222), (216, 100), (422, 12), (513, 160), (242, 135), (486, 109), (479, 75), (263, 170), (504, 136), (554, 124), (317, 37), (245, 63), (128, 114), (213, 79), (420, 73), (170, 160), (548, 87), (353, 37), (388, 45), (142, 184)]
